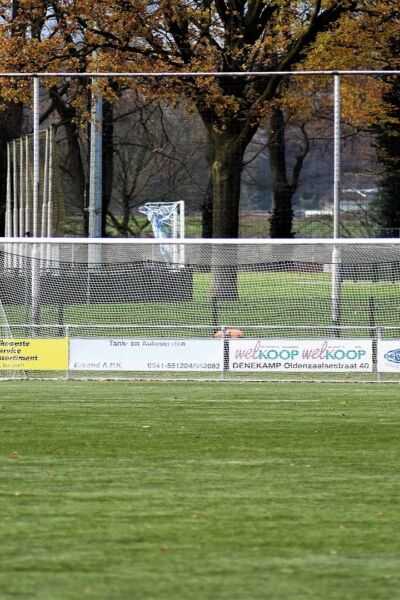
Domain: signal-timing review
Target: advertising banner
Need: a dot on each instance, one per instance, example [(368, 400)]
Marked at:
[(388, 356), (146, 355), (33, 354), (284, 355)]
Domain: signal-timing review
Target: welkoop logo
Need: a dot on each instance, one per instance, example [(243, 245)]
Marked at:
[(393, 356), (301, 355), (322, 351)]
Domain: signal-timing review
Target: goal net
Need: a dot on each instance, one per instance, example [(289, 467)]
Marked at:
[(167, 221), (252, 308)]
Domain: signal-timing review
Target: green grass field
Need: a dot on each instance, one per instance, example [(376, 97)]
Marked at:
[(175, 491)]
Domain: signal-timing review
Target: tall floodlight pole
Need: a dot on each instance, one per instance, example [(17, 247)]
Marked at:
[(336, 159), (336, 259), (36, 157), (95, 180), (96, 159)]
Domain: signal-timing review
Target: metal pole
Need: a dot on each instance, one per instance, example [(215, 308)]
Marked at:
[(95, 183), (96, 158), (51, 249), (336, 158), (21, 144), (336, 258), (9, 215), (21, 208), (35, 283), (50, 199), (16, 232), (9, 219), (45, 185), (45, 189), (182, 232), (36, 155), (27, 191), (192, 74), (378, 338)]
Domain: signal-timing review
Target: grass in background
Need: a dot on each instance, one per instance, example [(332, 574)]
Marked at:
[(264, 298), (253, 224), (202, 491)]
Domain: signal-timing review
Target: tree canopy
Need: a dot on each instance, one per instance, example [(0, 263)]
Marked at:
[(227, 36)]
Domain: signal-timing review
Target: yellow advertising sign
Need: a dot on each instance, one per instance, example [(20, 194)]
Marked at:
[(33, 354)]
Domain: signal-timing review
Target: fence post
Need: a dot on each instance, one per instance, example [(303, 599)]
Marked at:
[(336, 253), (336, 158), (378, 337), (36, 154), (67, 327), (225, 341)]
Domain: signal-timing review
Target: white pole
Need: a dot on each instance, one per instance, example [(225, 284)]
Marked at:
[(35, 284), (336, 158), (336, 258), (182, 219), (15, 190), (16, 233), (174, 226), (36, 155), (182, 231), (50, 185), (43, 229), (21, 194), (21, 188), (27, 191), (51, 249), (9, 228), (45, 185), (95, 178)]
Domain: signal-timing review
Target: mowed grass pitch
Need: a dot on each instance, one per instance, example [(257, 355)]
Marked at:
[(114, 490)]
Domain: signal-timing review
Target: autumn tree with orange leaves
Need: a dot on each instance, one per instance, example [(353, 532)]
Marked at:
[(227, 36)]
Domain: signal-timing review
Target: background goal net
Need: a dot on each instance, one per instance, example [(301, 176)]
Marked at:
[(267, 290)]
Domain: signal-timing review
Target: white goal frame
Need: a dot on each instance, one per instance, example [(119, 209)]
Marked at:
[(174, 214)]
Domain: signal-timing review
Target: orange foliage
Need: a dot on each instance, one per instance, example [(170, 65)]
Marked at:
[(138, 36)]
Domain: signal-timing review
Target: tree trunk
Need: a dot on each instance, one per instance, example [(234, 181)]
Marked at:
[(389, 205), (226, 173), (207, 212), (207, 206), (228, 149), (282, 191), (389, 156), (73, 165)]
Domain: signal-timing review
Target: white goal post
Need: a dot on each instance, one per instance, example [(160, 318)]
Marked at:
[(291, 292), (167, 221)]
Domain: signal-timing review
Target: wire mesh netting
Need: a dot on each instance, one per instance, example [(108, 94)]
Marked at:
[(128, 289)]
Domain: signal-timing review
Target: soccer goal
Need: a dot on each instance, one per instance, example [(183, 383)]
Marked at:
[(261, 309), (168, 221)]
